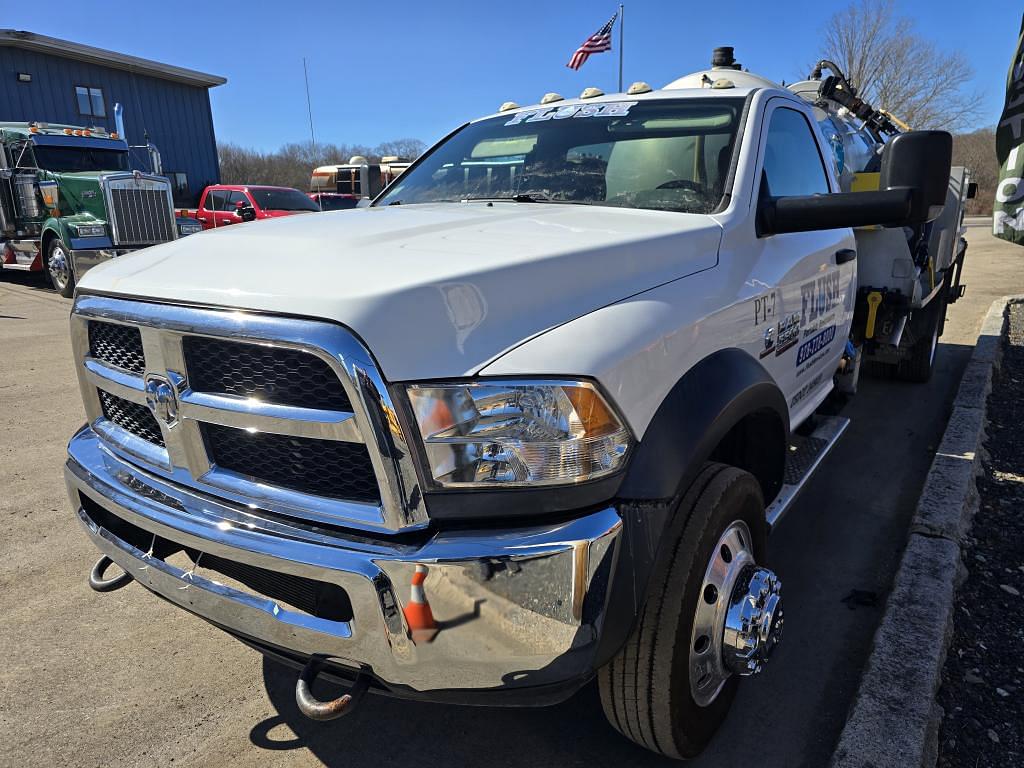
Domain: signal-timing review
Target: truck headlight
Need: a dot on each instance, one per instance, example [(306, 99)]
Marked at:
[(517, 433), (90, 230)]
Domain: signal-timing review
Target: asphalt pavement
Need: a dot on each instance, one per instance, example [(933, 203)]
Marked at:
[(126, 679)]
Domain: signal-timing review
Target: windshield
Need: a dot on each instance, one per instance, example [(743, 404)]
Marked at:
[(329, 203), (671, 156), (73, 159), (269, 199)]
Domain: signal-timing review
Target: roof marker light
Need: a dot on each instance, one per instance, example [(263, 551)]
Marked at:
[(591, 93), (508, 105), (548, 98), (639, 87)]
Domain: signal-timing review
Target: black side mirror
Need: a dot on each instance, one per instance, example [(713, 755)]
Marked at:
[(912, 190), (919, 161), (247, 212)]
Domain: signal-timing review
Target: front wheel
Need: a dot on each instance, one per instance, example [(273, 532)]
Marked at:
[(711, 615), (58, 265)]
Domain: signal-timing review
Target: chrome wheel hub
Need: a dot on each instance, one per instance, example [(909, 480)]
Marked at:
[(59, 267), (753, 623), (738, 620)]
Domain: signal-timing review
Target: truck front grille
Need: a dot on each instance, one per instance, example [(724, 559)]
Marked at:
[(275, 374), (282, 416), (320, 467), (131, 417), (119, 345), (141, 210)]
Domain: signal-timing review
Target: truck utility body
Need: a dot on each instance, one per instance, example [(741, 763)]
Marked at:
[(69, 199), (358, 178), (531, 423)]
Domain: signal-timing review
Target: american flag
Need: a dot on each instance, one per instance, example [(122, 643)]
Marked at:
[(599, 42)]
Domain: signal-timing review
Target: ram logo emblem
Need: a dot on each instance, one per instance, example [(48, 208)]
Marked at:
[(162, 400)]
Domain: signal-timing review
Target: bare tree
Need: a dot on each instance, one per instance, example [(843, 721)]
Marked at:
[(895, 69), (292, 164), (977, 151)]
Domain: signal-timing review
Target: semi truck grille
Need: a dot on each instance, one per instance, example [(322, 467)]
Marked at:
[(320, 467), (282, 416), (273, 374), (140, 210), (131, 417), (119, 345)]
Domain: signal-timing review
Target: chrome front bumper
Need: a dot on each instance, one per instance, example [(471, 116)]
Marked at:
[(514, 608), (84, 259)]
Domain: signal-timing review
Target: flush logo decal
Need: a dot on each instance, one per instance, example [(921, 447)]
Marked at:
[(819, 297), (610, 109)]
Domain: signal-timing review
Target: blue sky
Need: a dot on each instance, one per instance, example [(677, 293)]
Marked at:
[(387, 69)]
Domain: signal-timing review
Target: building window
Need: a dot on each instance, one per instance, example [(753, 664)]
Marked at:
[(90, 101), (179, 187)]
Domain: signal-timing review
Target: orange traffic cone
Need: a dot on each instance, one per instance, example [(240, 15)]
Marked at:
[(417, 611)]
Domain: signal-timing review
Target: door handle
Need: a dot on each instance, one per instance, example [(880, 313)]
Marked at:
[(844, 255)]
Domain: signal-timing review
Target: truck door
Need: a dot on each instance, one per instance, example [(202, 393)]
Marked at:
[(232, 215), (214, 209), (804, 318)]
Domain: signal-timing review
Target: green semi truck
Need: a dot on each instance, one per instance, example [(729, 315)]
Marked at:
[(69, 199)]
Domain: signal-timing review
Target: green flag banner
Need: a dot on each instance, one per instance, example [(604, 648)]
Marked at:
[(1008, 216)]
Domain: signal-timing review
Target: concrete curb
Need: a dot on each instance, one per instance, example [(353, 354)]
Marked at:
[(895, 719)]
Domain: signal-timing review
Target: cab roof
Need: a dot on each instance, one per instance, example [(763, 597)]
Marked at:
[(694, 85)]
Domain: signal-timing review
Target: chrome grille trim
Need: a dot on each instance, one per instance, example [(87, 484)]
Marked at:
[(141, 209), (373, 420)]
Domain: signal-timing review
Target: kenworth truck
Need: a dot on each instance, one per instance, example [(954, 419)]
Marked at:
[(69, 200), (533, 421)]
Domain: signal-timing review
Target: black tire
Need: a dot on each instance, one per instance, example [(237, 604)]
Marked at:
[(645, 689), (59, 268), (918, 363)]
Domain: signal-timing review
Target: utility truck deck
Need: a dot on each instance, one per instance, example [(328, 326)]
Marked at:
[(570, 365)]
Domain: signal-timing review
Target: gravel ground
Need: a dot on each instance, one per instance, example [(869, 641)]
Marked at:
[(983, 682)]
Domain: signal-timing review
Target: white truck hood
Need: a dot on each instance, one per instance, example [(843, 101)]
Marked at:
[(434, 290)]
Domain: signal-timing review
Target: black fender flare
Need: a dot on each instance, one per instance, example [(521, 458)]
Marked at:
[(700, 410)]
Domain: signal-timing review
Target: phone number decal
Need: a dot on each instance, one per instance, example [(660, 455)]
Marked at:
[(815, 345)]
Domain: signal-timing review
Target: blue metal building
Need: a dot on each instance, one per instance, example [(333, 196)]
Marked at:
[(56, 81)]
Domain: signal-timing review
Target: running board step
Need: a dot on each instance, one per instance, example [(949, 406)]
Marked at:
[(22, 267), (804, 455)]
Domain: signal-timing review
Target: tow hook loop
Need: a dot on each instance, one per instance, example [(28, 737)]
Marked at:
[(100, 584), (315, 709)]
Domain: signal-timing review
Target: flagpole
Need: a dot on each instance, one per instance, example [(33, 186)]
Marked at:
[(622, 26)]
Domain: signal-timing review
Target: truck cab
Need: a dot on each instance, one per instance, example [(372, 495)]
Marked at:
[(69, 200), (531, 424), (225, 204)]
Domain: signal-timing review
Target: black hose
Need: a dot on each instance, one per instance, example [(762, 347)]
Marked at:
[(98, 583)]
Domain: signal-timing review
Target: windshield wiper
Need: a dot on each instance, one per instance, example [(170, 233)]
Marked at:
[(520, 198)]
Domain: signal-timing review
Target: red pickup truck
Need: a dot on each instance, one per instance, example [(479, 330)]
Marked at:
[(223, 204)]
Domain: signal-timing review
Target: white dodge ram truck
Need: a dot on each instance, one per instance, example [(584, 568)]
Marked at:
[(526, 420)]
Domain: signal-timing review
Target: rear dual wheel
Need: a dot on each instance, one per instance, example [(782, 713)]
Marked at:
[(918, 363), (710, 615)]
